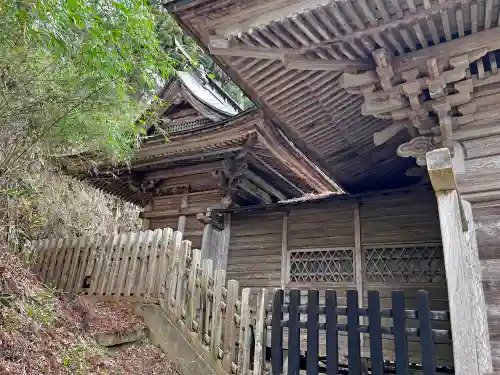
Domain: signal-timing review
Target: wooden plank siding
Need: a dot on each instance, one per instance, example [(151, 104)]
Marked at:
[(254, 256), (398, 225)]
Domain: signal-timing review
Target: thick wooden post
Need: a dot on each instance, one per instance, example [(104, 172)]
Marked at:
[(181, 225), (206, 238), (471, 348)]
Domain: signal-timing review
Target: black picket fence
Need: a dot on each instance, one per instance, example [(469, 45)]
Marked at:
[(331, 327)]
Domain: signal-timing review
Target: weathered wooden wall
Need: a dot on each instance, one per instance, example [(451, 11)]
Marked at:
[(170, 211), (389, 241)]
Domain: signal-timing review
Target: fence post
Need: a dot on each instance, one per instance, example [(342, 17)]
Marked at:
[(471, 349), (260, 331)]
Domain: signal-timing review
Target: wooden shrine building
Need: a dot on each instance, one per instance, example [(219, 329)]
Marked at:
[(371, 90), (215, 156), (362, 98)]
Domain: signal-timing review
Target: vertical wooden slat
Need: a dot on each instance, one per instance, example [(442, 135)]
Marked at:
[(353, 340), (260, 331), (110, 250), (332, 349), (180, 295), (100, 256), (205, 299), (192, 290), (312, 332), (174, 268), (118, 254), (53, 260), (49, 254), (426, 342), (277, 333), (144, 256), (284, 247), (164, 258), (400, 339), (89, 258), (181, 224), (41, 253), (219, 280), (375, 330), (244, 337), (230, 326), (100, 264), (68, 257), (77, 262), (153, 261), (294, 333), (58, 269), (358, 261), (126, 263), (133, 265)]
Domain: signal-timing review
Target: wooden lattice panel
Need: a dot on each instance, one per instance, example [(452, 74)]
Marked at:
[(321, 265), (415, 263)]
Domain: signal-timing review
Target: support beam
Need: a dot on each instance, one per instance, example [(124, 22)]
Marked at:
[(257, 161), (254, 191), (303, 63), (471, 346), (268, 188), (222, 251)]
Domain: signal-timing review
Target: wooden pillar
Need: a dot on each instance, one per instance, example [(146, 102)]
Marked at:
[(471, 347), (358, 261), (206, 238), (284, 251), (181, 226), (223, 248), (145, 222)]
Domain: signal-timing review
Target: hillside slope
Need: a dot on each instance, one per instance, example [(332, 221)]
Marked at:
[(48, 332)]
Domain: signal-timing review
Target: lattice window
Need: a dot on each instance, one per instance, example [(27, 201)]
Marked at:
[(419, 263), (321, 265)]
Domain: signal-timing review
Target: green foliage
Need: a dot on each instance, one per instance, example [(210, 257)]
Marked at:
[(76, 74)]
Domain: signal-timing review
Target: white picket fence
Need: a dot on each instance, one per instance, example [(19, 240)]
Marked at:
[(159, 265)]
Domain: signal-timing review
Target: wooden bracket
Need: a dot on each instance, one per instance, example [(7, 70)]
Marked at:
[(212, 217), (442, 175)]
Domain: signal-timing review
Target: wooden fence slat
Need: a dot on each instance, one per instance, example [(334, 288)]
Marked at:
[(174, 269), (143, 264), (124, 266), (70, 252), (104, 277), (101, 251), (260, 333), (375, 330), (425, 330), (180, 295), (193, 294), (76, 262), (219, 281), (153, 261), (58, 269), (205, 300), (164, 257), (89, 259), (115, 264), (53, 261), (312, 332), (41, 253), (294, 333), (277, 333), (400, 339), (244, 337), (49, 254), (332, 350), (233, 287), (353, 341), (132, 268)]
